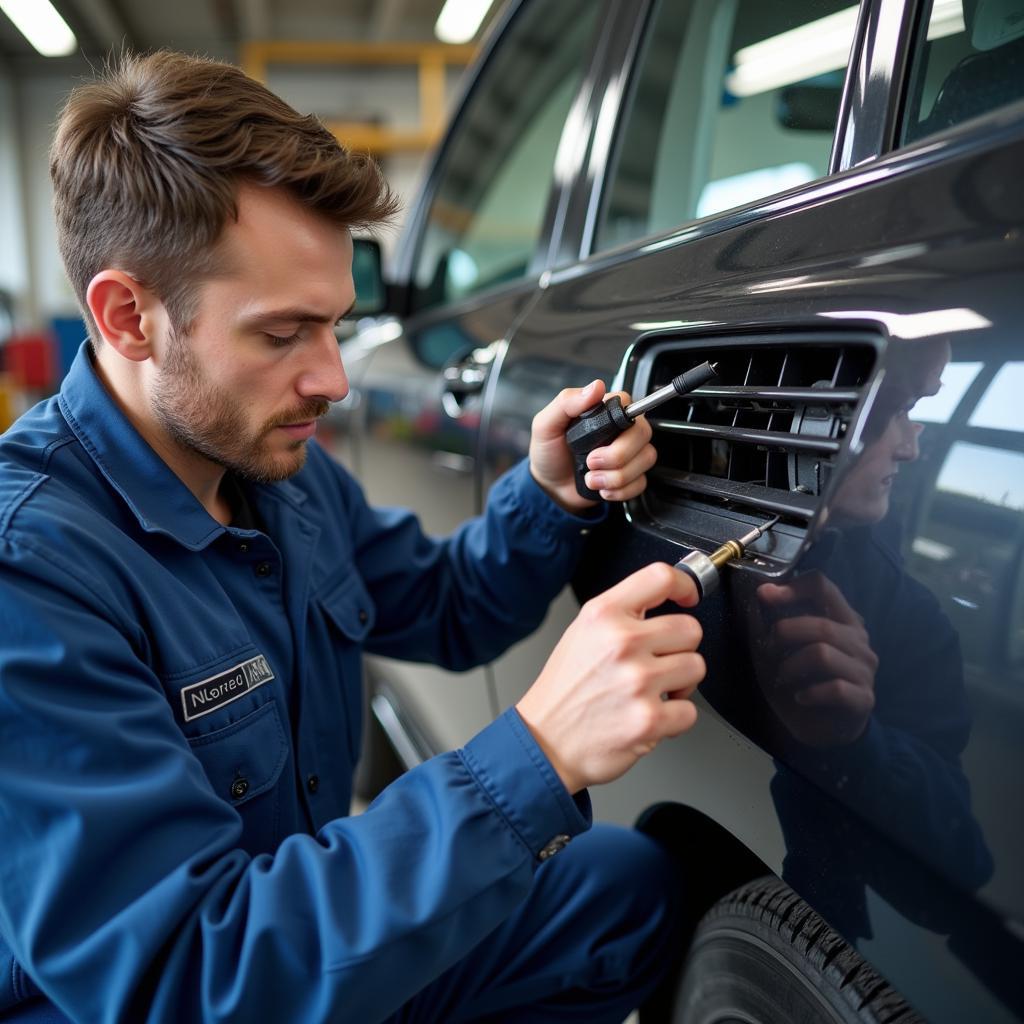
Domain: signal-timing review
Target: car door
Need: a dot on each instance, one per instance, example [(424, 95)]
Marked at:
[(843, 244), (476, 242), (635, 288)]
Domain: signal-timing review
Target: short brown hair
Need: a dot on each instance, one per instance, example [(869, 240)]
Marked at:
[(147, 161)]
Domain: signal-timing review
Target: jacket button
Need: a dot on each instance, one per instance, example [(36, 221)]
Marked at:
[(364, 616), (556, 844), (243, 548), (313, 783), (239, 788), (264, 569)]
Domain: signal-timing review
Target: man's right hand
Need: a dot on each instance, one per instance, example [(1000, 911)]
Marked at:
[(617, 684)]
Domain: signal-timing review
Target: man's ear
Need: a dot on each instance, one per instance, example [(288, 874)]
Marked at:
[(126, 313)]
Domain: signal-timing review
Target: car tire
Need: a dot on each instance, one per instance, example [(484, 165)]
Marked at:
[(761, 954)]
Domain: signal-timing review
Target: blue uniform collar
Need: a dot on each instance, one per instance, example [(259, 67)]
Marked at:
[(154, 493)]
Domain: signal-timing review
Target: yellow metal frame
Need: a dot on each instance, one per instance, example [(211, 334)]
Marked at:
[(432, 60)]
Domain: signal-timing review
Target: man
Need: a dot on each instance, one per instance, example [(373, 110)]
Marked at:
[(863, 673), (186, 584)]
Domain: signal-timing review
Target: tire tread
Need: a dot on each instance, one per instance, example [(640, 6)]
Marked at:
[(772, 903)]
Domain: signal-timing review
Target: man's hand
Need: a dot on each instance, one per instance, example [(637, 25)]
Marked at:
[(823, 683), (617, 683), (616, 471)]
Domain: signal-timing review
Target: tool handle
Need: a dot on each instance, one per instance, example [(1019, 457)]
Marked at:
[(595, 428)]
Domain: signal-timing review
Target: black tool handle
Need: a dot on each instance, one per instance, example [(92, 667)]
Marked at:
[(596, 427)]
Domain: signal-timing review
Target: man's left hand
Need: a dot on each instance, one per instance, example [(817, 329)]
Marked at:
[(823, 688), (617, 471)]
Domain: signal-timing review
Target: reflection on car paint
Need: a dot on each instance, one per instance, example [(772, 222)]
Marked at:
[(869, 686)]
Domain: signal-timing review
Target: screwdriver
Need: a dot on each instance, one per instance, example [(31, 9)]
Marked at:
[(602, 423), (704, 570)]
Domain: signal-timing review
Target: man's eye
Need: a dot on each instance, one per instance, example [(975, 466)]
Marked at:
[(280, 342)]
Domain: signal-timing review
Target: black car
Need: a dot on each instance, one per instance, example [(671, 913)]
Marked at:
[(827, 201)]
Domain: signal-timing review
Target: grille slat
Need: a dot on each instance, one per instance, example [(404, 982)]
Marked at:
[(809, 396), (770, 499), (765, 434), (776, 438)]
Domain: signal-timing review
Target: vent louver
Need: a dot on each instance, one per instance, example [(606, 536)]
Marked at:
[(764, 436)]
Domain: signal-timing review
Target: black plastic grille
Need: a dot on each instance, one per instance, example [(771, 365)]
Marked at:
[(765, 434)]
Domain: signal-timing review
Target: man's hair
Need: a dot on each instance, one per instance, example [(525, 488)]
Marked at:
[(147, 161)]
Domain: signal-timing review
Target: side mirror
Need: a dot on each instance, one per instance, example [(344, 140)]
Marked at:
[(809, 108), (368, 277)]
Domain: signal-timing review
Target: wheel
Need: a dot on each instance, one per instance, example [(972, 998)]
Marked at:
[(761, 954)]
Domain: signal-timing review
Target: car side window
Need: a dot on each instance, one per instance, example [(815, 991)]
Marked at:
[(732, 100), (969, 60), (487, 212)]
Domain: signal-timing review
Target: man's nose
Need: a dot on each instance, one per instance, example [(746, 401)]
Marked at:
[(324, 375), (908, 448)]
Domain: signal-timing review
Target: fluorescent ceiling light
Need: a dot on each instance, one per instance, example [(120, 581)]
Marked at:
[(919, 325), (815, 48), (459, 20), (42, 26)]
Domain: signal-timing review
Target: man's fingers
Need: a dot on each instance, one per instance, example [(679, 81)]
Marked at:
[(676, 717), (813, 589), (624, 448), (837, 693), (817, 662), (671, 634), (631, 490), (803, 630), (649, 587), (614, 483), (553, 420), (680, 674)]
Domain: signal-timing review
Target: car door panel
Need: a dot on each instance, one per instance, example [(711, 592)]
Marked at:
[(923, 802)]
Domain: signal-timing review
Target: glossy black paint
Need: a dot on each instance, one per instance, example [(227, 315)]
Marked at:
[(926, 826), (906, 837)]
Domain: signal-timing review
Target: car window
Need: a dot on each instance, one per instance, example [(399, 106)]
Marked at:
[(487, 213), (733, 100), (968, 61)]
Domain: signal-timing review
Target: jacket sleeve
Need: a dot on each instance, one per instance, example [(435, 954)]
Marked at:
[(124, 894), (462, 601)]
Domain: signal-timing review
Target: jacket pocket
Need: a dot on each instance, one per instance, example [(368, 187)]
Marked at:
[(244, 761), (349, 607)]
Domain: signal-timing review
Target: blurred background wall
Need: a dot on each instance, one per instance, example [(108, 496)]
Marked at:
[(374, 70)]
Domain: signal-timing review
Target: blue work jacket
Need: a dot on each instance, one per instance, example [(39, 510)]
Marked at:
[(179, 719)]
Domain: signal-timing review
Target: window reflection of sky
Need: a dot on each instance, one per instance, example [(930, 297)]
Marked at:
[(1002, 405), (992, 475), (938, 408), (987, 473), (740, 189)]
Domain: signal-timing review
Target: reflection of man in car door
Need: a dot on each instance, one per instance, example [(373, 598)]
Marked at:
[(186, 586), (863, 673)]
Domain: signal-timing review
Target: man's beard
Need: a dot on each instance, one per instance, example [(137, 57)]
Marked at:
[(201, 419)]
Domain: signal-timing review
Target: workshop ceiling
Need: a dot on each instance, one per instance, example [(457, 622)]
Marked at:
[(218, 27)]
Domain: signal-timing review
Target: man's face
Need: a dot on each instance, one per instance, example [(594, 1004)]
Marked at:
[(260, 364), (863, 496)]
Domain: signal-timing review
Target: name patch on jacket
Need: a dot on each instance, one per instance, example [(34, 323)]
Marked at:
[(201, 698)]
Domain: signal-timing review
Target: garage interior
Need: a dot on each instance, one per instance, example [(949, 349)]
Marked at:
[(377, 73)]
